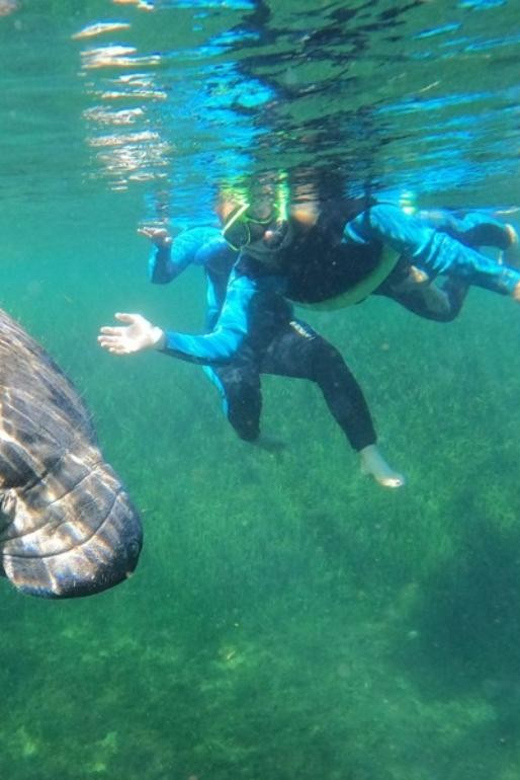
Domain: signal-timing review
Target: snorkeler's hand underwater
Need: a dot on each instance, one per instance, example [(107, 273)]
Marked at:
[(137, 335), (159, 236)]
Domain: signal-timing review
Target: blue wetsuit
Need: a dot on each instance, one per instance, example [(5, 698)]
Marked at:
[(239, 311), (436, 251), (274, 343), (321, 264), (472, 228)]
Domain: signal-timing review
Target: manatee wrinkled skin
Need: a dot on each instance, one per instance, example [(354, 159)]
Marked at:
[(67, 525)]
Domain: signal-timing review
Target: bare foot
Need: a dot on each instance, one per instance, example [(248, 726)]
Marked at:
[(373, 463)]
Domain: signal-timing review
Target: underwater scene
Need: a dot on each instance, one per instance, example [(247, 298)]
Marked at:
[(290, 617)]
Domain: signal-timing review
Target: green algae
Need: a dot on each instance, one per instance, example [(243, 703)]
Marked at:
[(289, 618)]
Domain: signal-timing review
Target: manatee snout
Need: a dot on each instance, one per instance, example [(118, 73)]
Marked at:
[(83, 539)]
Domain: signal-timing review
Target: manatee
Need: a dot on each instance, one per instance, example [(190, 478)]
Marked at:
[(67, 525)]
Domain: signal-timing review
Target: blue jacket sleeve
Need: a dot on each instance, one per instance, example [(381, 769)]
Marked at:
[(166, 263), (231, 329)]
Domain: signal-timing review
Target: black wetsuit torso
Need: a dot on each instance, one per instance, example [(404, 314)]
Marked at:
[(316, 265)]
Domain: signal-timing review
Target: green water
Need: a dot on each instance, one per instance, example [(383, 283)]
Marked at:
[(289, 620)]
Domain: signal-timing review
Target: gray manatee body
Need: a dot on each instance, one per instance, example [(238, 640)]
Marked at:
[(67, 526)]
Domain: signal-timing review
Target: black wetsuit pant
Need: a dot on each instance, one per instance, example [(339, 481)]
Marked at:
[(296, 351)]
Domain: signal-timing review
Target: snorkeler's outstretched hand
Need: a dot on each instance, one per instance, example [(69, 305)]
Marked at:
[(159, 236), (136, 335)]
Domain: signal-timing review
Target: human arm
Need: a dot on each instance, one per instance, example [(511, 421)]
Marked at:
[(170, 256), (233, 326)]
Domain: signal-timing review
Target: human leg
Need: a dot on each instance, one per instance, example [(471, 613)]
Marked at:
[(241, 391), (443, 303), (472, 228), (299, 352), (433, 251), (414, 290), (239, 386)]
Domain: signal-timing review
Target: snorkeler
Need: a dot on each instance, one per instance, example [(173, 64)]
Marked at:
[(353, 248), (277, 344), (344, 252), (254, 315)]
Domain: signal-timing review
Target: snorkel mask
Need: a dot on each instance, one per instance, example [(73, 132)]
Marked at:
[(242, 227), (237, 228)]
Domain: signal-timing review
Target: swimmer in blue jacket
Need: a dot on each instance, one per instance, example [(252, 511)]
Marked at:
[(278, 344), (332, 258), (344, 255)]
